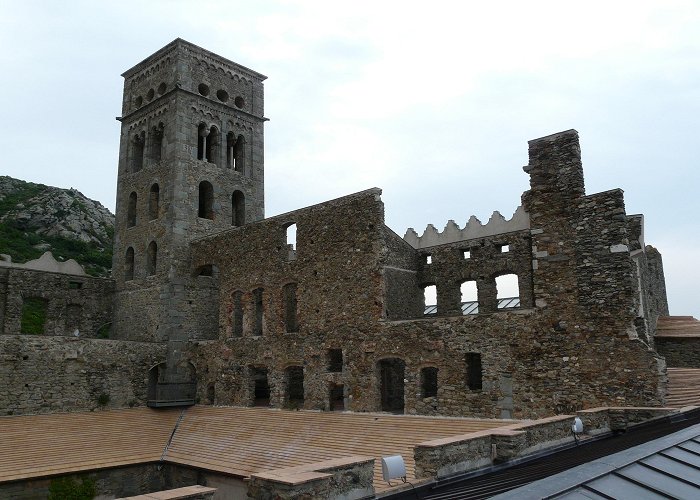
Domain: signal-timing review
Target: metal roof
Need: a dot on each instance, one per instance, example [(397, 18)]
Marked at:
[(668, 467), (567, 472)]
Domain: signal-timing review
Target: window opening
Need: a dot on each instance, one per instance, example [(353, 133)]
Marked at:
[(261, 387), (391, 382), (430, 300), (154, 201), (206, 200), (258, 307), (466, 254), (507, 291), (237, 314), (73, 316), (152, 259), (291, 242), (336, 397), (203, 142), (211, 394), (212, 146), (505, 248), (290, 307), (131, 210), (157, 143), (428, 259), (75, 285), (429, 382), (474, 371), (129, 264), (470, 297), (137, 145), (238, 205), (239, 155), (295, 386), (33, 315), (335, 360)]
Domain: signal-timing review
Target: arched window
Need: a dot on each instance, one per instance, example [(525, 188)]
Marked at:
[(239, 155), (470, 297), (260, 386), (258, 310), (206, 200), (430, 300), (290, 307), (137, 151), (507, 291), (152, 259), (154, 202), (237, 314), (202, 141), (157, 143), (129, 264), (238, 204), (131, 210), (230, 145), (213, 146), (295, 386)]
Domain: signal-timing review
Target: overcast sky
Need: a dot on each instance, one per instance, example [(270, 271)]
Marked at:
[(433, 102)]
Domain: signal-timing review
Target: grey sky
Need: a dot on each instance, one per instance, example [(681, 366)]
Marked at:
[(432, 101)]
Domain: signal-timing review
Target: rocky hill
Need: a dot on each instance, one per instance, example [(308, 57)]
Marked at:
[(35, 218)]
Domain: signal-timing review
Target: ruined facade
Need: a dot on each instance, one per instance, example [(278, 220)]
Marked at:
[(219, 305)]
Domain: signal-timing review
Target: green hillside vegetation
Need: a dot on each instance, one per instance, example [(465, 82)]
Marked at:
[(23, 243)]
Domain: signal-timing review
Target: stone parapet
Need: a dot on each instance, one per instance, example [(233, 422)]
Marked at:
[(497, 224), (347, 478), (442, 458)]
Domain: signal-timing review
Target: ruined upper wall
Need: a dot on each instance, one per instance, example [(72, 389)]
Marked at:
[(473, 229), (335, 266)]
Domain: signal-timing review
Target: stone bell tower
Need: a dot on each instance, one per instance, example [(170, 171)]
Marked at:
[(190, 164)]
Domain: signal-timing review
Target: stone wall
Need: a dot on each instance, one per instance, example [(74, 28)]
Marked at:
[(78, 306), (192, 143), (115, 482), (348, 478), (571, 343), (680, 352), (57, 374), (486, 261)]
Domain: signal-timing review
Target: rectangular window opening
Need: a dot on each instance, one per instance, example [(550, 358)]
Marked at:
[(474, 371), (335, 360), (429, 382)]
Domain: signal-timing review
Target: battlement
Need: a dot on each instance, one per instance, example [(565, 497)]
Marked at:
[(497, 224)]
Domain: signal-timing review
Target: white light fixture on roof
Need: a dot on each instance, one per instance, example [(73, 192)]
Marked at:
[(393, 467), (577, 427)]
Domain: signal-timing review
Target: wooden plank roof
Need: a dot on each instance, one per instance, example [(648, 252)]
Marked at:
[(243, 441), (230, 440), (683, 387), (678, 326), (44, 445)]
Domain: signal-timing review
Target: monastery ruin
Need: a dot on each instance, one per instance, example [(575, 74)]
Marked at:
[(212, 303)]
